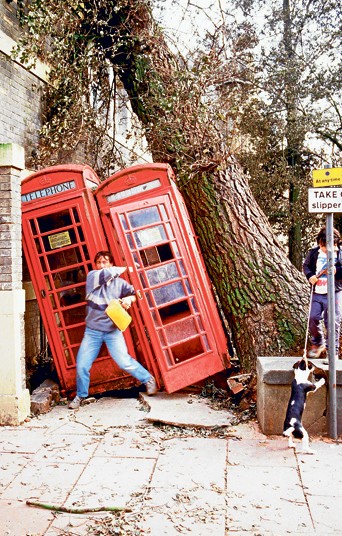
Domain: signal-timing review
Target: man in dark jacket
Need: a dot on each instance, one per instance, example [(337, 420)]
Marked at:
[(315, 269)]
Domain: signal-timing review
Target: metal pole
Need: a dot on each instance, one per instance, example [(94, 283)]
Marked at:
[(331, 326)]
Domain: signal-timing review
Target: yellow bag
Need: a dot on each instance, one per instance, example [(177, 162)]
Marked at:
[(118, 315)]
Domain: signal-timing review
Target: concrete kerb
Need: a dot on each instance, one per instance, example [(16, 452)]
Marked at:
[(274, 377)]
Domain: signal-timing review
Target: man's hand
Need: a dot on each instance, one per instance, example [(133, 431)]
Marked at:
[(127, 302)]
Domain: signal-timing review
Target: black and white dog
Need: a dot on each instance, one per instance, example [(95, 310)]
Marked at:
[(300, 387)]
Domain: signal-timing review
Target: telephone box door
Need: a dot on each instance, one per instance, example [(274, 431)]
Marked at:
[(61, 235), (172, 307)]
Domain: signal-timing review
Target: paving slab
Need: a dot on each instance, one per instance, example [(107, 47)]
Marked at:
[(47, 482), (186, 410), (107, 412), (110, 483), (18, 519)]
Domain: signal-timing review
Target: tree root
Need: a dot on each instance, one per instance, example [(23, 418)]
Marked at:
[(77, 510)]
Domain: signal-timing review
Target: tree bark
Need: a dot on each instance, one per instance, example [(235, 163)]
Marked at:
[(263, 296)]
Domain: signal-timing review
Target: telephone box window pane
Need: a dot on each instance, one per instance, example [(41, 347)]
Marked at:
[(152, 235), (187, 285), (168, 293), (123, 222), (149, 300), (169, 231), (75, 315), (43, 264), (130, 241), (143, 217), (155, 318), (68, 358), (142, 279), (53, 302), (86, 254), (175, 311), (182, 267), (150, 256), (71, 296), (53, 222), (194, 306), (207, 347), (136, 260), (163, 212), (181, 330), (175, 249), (162, 273), (134, 190), (37, 244), (58, 319), (62, 337), (63, 258), (76, 216), (33, 226), (47, 282), (80, 234), (187, 349), (156, 255), (162, 338), (75, 334), (168, 357)]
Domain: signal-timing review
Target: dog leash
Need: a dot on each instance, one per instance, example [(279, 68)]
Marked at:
[(307, 326)]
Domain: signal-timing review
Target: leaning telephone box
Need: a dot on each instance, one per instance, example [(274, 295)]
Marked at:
[(62, 233), (148, 228)]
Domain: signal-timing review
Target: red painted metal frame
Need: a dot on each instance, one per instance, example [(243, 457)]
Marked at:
[(120, 198), (64, 194)]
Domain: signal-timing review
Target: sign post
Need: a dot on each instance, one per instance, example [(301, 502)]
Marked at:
[(329, 200)]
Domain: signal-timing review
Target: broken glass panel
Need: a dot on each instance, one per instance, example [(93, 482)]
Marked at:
[(150, 236), (179, 331)]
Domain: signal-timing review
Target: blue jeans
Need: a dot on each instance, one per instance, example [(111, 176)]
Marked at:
[(319, 310), (116, 345)]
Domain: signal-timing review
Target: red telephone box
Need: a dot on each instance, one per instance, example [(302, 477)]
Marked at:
[(148, 229), (62, 233)]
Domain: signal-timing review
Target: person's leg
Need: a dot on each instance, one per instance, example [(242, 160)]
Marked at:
[(316, 312), (87, 353), (117, 348)]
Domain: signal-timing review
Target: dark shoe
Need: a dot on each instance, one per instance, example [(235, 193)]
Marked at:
[(151, 386)]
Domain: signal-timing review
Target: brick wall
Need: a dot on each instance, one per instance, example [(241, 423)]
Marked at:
[(10, 230), (21, 105)]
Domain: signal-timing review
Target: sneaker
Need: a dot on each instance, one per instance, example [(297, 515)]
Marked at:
[(316, 351), (80, 401), (151, 386), (75, 404)]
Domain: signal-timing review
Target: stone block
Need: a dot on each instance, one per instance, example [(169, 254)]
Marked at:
[(274, 377), (44, 397)]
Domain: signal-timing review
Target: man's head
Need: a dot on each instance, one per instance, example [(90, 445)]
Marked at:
[(322, 237), (103, 259)]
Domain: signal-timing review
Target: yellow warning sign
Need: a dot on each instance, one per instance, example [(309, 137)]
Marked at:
[(327, 177)]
